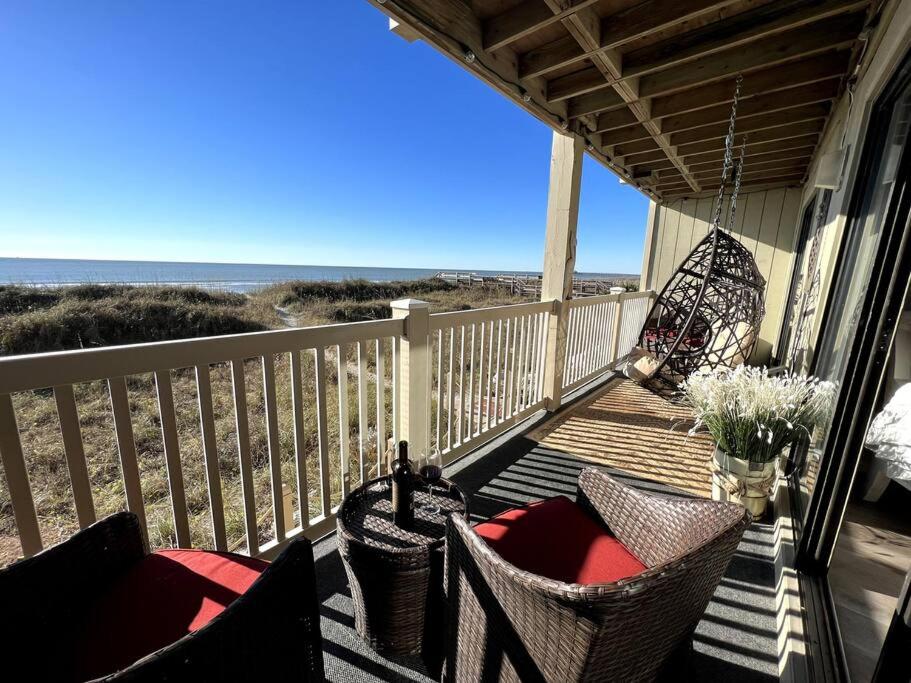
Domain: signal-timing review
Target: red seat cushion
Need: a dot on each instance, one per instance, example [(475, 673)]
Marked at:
[(557, 539), (162, 598)]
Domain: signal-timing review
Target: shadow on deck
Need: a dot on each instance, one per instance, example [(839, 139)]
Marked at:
[(621, 429)]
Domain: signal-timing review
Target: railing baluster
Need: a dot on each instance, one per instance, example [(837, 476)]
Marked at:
[(498, 368), (449, 391), (519, 359), (380, 406), (322, 430), (483, 335), (616, 330), (470, 397), (274, 443), (461, 383), (20, 490), (362, 400), (241, 421), (75, 454), (344, 429), (541, 333), (213, 477), (439, 346), (490, 377), (126, 447), (300, 456), (519, 403), (171, 444), (396, 388), (507, 385)]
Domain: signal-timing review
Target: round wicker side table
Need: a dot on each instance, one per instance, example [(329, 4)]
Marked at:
[(396, 575)]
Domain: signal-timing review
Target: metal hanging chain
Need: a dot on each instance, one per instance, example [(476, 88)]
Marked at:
[(728, 156), (738, 174)]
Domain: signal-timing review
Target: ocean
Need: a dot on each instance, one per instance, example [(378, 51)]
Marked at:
[(236, 277)]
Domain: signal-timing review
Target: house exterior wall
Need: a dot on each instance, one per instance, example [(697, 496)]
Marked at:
[(765, 223)]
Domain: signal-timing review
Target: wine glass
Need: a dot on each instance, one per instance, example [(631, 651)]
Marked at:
[(431, 471)]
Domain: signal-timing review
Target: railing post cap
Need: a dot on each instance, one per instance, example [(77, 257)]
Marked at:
[(408, 304)]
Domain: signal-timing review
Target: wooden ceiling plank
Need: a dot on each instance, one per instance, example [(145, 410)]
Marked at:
[(753, 149), (652, 16), (611, 120), (763, 82), (585, 27), (769, 135), (616, 30), (577, 83), (603, 100), (789, 98), (626, 134), (733, 32), (645, 145), (832, 33), (708, 173), (524, 19), (807, 112), (768, 157), (550, 57)]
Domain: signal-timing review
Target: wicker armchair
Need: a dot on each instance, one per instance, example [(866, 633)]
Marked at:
[(507, 624), (270, 632)]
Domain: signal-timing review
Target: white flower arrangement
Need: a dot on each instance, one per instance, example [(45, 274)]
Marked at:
[(752, 415)]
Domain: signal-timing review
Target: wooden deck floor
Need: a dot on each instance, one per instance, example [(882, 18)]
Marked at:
[(627, 427)]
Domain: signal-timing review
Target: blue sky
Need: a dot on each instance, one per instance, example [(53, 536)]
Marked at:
[(272, 132)]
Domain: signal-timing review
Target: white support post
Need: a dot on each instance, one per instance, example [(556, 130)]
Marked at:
[(414, 384), (560, 255)]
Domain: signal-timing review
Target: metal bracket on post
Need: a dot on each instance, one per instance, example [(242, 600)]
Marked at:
[(414, 385)]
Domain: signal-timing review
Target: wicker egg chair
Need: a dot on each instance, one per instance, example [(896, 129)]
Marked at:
[(709, 312)]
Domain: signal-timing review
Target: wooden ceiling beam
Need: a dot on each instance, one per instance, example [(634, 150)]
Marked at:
[(755, 148), (524, 19), (757, 83), (706, 174), (806, 112), (824, 91), (652, 16), (838, 32), (752, 159), (733, 33), (605, 100), (644, 158), (616, 30), (585, 27), (768, 135)]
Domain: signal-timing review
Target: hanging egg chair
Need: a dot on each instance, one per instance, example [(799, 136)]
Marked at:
[(709, 312)]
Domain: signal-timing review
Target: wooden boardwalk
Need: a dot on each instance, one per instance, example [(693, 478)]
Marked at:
[(631, 429)]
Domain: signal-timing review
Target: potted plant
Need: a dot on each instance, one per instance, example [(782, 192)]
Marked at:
[(753, 417)]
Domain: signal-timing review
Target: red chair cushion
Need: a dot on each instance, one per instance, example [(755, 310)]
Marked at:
[(162, 598), (557, 539)]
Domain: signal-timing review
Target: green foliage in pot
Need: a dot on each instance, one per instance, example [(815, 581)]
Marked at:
[(753, 415)]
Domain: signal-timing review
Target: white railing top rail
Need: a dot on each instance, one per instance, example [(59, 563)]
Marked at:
[(607, 298), (439, 321), (42, 370)]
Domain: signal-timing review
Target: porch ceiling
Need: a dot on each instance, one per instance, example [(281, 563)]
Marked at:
[(649, 83)]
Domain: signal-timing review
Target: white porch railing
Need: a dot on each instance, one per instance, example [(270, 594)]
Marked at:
[(601, 330), (313, 425)]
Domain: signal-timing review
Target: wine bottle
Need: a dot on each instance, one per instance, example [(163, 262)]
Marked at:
[(402, 489)]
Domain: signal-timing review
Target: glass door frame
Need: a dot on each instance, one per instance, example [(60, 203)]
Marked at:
[(865, 368)]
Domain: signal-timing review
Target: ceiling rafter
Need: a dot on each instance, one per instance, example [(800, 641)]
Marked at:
[(584, 26)]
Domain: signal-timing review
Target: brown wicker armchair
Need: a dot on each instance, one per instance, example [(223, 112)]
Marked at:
[(507, 624), (270, 632)]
